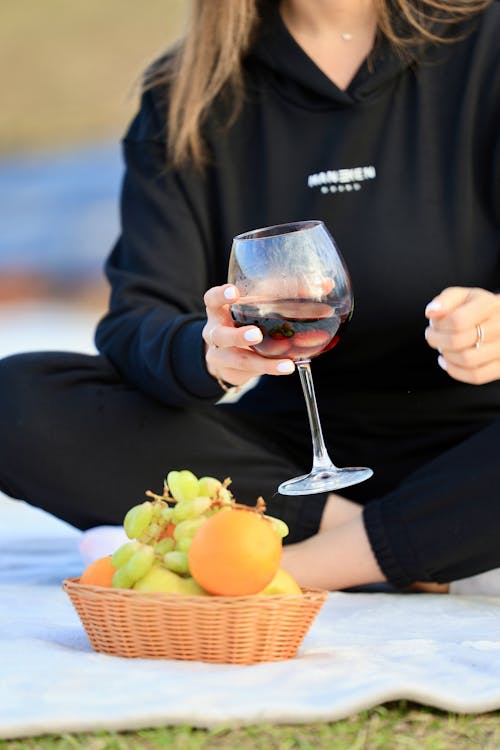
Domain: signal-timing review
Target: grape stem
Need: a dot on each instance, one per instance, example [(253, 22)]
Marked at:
[(166, 497), (217, 501), (260, 506)]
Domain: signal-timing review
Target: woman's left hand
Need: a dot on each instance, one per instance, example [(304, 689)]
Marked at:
[(464, 326)]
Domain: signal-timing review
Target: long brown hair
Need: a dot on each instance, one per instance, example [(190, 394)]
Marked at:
[(219, 33)]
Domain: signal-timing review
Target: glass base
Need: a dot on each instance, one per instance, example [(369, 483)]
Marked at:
[(324, 480)]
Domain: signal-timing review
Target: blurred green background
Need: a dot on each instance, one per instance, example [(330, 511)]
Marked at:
[(69, 68)]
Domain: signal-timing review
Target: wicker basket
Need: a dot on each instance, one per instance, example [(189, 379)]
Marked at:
[(230, 630)]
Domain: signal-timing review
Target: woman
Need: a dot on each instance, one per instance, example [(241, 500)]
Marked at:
[(382, 119)]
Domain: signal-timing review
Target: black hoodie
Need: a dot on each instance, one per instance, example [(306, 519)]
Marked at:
[(404, 169)]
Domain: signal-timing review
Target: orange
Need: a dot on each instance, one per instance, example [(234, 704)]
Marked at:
[(98, 573), (235, 553)]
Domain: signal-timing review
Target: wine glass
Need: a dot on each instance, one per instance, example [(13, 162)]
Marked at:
[(295, 287)]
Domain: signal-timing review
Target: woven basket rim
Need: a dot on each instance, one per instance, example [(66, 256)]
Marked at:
[(200, 600)]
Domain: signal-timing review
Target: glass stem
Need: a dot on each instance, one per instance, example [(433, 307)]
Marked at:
[(321, 459)]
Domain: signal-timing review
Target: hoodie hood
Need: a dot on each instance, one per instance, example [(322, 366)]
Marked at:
[(300, 80)]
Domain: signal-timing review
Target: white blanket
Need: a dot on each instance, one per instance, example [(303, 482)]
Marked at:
[(363, 649)]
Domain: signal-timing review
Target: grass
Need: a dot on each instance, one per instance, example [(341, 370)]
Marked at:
[(396, 726), (68, 67)]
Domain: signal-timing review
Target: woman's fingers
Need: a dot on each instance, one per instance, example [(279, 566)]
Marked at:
[(240, 377), (229, 355), (236, 365), (217, 301), (481, 333), (464, 328), (220, 330), (476, 375), (224, 336), (218, 296), (245, 360), (458, 310), (457, 305)]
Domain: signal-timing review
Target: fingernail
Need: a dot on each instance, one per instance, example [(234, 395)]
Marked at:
[(433, 306), (285, 366), (442, 363), (230, 292), (427, 332), (253, 335)]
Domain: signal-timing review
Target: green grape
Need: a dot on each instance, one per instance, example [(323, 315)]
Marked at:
[(123, 554), (153, 531), (121, 579), (183, 485), (225, 496), (176, 561), (183, 544), (182, 511), (188, 509), (140, 562), (166, 514), (200, 505), (166, 545), (188, 528), (157, 510), (279, 526), (209, 486), (138, 519)]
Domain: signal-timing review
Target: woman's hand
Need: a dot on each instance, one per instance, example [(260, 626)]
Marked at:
[(228, 354), (464, 326)]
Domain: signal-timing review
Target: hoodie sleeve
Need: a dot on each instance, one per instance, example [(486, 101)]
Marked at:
[(158, 270)]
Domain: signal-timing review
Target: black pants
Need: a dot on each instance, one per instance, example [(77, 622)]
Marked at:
[(80, 443)]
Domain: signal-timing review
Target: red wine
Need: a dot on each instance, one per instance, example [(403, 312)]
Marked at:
[(292, 328)]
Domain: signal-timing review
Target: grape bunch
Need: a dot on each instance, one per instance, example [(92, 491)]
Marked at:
[(162, 528)]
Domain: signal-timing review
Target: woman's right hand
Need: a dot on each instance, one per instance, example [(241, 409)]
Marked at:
[(228, 354)]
